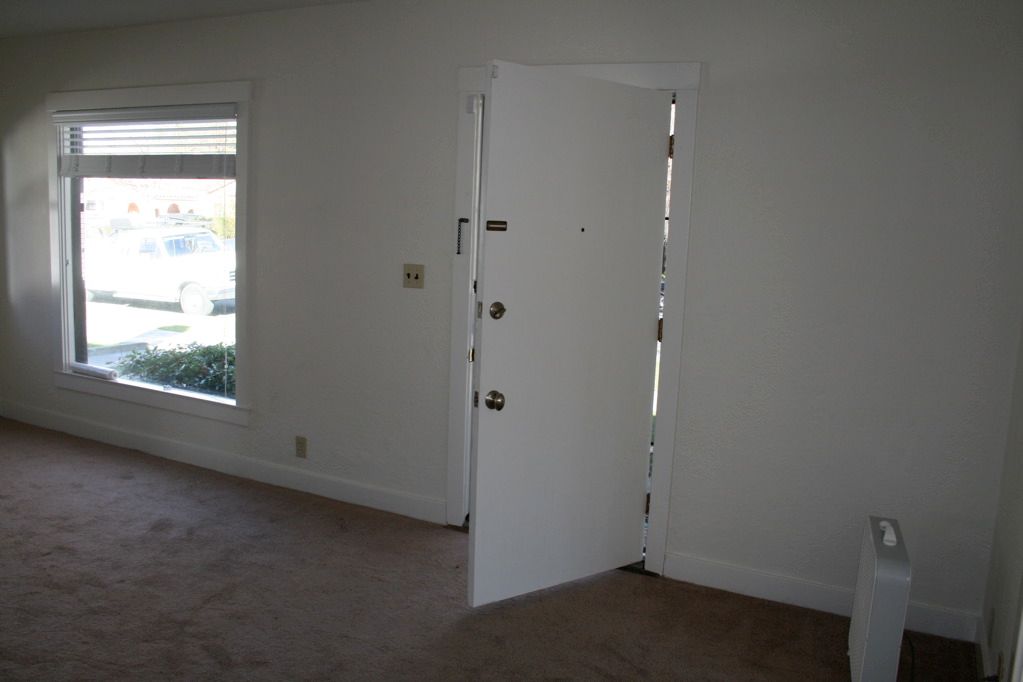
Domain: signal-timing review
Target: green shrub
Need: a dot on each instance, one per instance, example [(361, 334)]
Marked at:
[(205, 369)]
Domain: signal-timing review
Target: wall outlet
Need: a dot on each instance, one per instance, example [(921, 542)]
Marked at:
[(413, 276), (301, 446)]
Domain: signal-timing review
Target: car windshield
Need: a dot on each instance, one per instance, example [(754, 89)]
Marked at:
[(187, 244)]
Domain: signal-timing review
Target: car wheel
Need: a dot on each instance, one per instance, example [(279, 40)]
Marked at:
[(194, 301)]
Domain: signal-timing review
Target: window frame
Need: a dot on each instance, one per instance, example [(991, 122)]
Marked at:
[(63, 262)]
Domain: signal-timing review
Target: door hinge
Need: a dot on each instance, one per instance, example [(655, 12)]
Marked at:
[(476, 399), (660, 329), (671, 146), (493, 71)]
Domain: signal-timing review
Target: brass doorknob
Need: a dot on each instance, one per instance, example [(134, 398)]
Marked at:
[(494, 400), (497, 310)]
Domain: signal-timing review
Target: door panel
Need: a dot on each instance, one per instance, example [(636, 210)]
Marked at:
[(576, 167)]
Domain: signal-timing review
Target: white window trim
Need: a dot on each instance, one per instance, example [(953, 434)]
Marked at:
[(184, 402)]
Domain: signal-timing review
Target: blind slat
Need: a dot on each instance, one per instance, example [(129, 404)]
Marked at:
[(195, 141), (148, 166), (171, 137), (165, 113)]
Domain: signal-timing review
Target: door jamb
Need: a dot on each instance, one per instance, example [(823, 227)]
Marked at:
[(684, 80), (471, 83)]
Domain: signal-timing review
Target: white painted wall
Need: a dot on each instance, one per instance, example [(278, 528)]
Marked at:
[(851, 326), (850, 334), (1003, 601)]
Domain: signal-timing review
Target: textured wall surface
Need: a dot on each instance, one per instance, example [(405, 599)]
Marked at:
[(851, 324)]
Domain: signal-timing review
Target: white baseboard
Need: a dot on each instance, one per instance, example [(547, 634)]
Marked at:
[(920, 617), (407, 504)]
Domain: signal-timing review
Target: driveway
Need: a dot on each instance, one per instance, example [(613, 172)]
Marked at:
[(117, 328)]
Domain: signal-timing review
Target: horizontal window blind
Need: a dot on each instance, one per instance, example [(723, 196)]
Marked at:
[(177, 137), (156, 142), (203, 166)]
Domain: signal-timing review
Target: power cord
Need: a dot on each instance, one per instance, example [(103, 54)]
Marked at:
[(912, 662), (912, 657)]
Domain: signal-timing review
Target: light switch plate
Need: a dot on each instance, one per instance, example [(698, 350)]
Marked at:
[(413, 276)]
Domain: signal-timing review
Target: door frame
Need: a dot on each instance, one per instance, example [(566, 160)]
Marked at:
[(684, 79)]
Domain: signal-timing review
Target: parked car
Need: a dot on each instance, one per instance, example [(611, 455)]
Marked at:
[(183, 264)]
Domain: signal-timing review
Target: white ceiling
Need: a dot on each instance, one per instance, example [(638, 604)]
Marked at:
[(27, 17)]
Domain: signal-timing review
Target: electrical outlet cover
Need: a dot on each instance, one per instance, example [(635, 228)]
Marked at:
[(413, 276)]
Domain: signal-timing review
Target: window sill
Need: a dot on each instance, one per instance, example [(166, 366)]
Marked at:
[(207, 407)]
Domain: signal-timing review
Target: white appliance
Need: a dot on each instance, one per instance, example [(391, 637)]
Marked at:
[(879, 605)]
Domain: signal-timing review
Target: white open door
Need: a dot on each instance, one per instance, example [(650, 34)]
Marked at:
[(574, 169)]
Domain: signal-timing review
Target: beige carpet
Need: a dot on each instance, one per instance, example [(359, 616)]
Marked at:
[(118, 565)]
